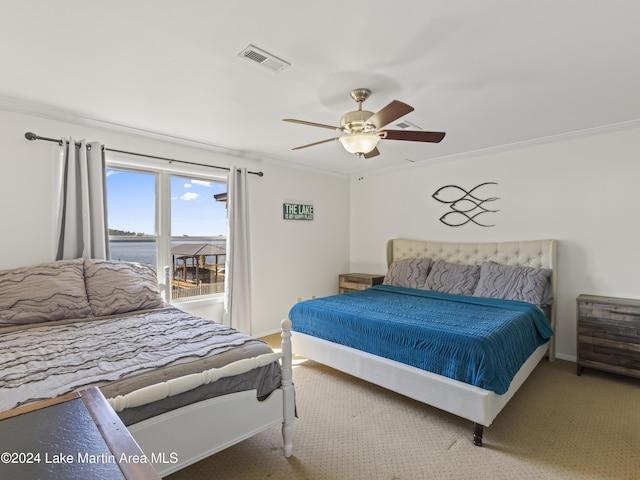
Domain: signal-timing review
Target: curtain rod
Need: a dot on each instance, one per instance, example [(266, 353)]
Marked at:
[(33, 136)]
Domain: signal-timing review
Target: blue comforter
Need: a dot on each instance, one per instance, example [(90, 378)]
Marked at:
[(480, 341)]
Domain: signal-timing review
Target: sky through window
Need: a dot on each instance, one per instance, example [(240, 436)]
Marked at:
[(194, 211)]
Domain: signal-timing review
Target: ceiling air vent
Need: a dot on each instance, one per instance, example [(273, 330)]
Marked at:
[(404, 124), (259, 56)]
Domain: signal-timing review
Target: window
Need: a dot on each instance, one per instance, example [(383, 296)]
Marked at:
[(169, 219), (131, 206), (198, 236)]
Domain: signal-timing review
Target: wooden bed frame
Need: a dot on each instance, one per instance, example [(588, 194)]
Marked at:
[(473, 403), (181, 437)]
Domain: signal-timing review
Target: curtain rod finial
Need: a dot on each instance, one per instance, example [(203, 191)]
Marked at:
[(30, 136)]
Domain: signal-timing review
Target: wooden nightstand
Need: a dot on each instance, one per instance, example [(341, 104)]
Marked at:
[(350, 282), (609, 334), (74, 436)]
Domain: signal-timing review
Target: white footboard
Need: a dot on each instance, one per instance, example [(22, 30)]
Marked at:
[(176, 386), (182, 437), (186, 435)]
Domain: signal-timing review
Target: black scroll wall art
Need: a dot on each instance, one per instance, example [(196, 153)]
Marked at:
[(466, 205)]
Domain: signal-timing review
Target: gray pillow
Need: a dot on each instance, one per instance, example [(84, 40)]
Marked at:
[(119, 287), (408, 272), (41, 293), (453, 278), (526, 284)]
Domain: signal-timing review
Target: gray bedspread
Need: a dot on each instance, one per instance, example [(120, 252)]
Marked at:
[(125, 352)]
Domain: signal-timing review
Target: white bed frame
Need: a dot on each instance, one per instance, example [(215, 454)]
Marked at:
[(181, 437), (473, 403)]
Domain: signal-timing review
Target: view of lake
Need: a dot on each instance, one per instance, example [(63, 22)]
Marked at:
[(145, 251), (131, 251)]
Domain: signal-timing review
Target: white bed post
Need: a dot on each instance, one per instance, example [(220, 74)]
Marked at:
[(167, 285), (289, 405)]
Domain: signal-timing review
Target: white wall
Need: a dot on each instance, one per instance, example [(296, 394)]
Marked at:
[(296, 258), (290, 259), (581, 192)]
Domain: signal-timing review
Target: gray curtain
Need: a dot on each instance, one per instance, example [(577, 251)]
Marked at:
[(81, 201), (237, 289)]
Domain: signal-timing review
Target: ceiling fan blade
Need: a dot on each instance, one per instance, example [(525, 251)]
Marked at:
[(373, 153), (413, 136), (316, 143), (388, 114), (312, 124)]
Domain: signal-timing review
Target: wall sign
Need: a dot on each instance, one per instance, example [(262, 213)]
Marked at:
[(466, 205), (297, 211)]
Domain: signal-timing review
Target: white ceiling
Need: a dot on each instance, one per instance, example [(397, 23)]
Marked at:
[(490, 73)]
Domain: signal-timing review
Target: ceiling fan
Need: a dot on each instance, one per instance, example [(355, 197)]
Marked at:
[(362, 129)]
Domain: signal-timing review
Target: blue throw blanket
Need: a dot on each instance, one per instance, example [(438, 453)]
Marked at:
[(480, 341)]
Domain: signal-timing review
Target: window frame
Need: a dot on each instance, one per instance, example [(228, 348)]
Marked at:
[(162, 230)]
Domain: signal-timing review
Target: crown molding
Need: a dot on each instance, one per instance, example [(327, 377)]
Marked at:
[(562, 137), (22, 106)]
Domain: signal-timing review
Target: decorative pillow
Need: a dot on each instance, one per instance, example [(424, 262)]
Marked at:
[(408, 272), (119, 287), (41, 293), (526, 284), (453, 278)]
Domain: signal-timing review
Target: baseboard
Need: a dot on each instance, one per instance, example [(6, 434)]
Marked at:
[(568, 358)]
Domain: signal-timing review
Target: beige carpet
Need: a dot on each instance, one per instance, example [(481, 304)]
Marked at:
[(558, 426)]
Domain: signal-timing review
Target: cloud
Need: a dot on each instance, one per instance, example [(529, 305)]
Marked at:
[(111, 172), (201, 182), (189, 196), (187, 185)]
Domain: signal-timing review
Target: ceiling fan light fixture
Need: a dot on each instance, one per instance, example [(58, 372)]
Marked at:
[(359, 143), (363, 129)]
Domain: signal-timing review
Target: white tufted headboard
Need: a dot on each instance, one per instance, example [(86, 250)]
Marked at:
[(530, 253)]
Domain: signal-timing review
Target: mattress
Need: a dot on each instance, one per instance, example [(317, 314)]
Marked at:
[(122, 353), (479, 341)]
